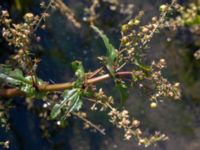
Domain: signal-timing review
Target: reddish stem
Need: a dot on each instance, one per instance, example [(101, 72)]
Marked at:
[(12, 92)]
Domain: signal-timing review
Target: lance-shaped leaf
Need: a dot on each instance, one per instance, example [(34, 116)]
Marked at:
[(111, 57), (71, 102), (56, 110), (112, 54), (17, 79), (12, 77)]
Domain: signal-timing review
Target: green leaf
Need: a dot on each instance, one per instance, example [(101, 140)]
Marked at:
[(30, 90), (111, 57), (56, 110), (78, 68), (11, 77), (112, 54), (122, 88), (79, 72), (138, 63), (73, 96), (142, 66), (8, 80), (17, 79), (18, 75), (71, 102)]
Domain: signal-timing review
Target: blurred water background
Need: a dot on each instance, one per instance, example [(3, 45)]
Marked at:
[(61, 43)]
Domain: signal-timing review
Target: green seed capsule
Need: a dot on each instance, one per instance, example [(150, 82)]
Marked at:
[(163, 8), (124, 28), (124, 40), (153, 105)]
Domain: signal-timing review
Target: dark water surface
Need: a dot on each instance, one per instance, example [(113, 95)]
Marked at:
[(61, 44)]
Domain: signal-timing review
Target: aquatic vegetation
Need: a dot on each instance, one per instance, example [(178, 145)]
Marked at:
[(125, 65)]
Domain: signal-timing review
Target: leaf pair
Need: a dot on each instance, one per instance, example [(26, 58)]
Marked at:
[(71, 99), (71, 102), (111, 54), (16, 78), (12, 77), (111, 57)]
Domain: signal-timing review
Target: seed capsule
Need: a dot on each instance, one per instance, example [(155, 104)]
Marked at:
[(163, 8), (153, 105), (124, 28), (124, 40), (133, 22), (135, 123), (28, 17)]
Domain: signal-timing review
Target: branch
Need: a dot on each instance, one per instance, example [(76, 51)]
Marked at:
[(13, 92), (68, 12)]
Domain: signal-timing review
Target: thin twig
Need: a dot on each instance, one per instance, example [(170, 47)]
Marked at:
[(63, 8), (98, 102), (102, 131), (162, 18), (42, 17)]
